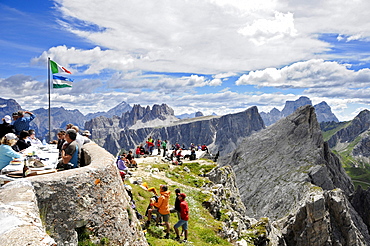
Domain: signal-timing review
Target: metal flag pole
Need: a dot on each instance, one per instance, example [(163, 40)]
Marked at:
[(49, 97)]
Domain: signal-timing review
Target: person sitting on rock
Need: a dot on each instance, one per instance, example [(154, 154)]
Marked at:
[(6, 152), (130, 159), (33, 139), (122, 164), (22, 142), (70, 151)]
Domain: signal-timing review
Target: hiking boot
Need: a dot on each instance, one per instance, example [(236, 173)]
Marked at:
[(167, 236)]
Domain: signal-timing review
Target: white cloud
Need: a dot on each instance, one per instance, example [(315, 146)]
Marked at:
[(262, 31), (315, 73), (140, 43)]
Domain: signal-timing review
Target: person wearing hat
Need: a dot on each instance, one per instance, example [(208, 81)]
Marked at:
[(6, 127), (22, 123), (6, 152), (86, 135), (22, 142), (177, 208), (184, 217)]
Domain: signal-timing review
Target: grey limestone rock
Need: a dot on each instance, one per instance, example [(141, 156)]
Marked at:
[(278, 172)]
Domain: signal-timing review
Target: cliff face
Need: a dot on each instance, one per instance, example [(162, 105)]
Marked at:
[(358, 125), (101, 127), (287, 173), (219, 133)]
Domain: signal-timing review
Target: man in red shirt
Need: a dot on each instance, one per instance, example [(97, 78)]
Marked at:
[(184, 217)]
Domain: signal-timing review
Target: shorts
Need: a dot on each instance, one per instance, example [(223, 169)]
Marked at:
[(183, 223), (166, 217)]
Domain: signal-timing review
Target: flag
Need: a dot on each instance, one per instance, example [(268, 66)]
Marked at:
[(56, 68), (61, 82)]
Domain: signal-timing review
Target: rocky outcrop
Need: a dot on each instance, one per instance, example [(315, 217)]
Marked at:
[(219, 133), (323, 111), (224, 203), (362, 148), (358, 125), (361, 202), (20, 217), (287, 173), (144, 115), (92, 198), (324, 218)]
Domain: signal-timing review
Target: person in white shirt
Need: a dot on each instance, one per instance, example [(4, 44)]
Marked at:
[(32, 138)]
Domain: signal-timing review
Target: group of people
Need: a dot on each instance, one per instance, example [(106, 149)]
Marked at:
[(160, 207), (162, 148), (69, 144), (125, 161), (16, 136)]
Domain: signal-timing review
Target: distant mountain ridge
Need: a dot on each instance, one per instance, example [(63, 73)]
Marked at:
[(219, 133), (118, 110), (323, 111), (60, 117), (188, 116)]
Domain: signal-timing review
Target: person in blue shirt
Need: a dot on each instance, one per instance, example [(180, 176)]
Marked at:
[(6, 152), (22, 123)]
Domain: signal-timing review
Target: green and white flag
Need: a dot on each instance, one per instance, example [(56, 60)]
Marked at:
[(61, 82)]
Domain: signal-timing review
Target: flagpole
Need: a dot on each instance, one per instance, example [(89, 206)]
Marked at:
[(49, 97)]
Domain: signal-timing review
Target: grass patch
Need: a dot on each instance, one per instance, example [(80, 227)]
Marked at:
[(359, 176), (194, 177), (330, 128), (203, 227)]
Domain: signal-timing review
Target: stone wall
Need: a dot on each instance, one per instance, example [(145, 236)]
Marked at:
[(91, 198)]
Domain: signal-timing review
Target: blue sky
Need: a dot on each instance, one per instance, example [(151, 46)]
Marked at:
[(206, 55)]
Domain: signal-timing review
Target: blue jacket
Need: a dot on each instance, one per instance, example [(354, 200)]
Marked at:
[(6, 155)]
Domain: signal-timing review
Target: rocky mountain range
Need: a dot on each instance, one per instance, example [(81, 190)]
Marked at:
[(323, 111), (219, 133), (288, 174)]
